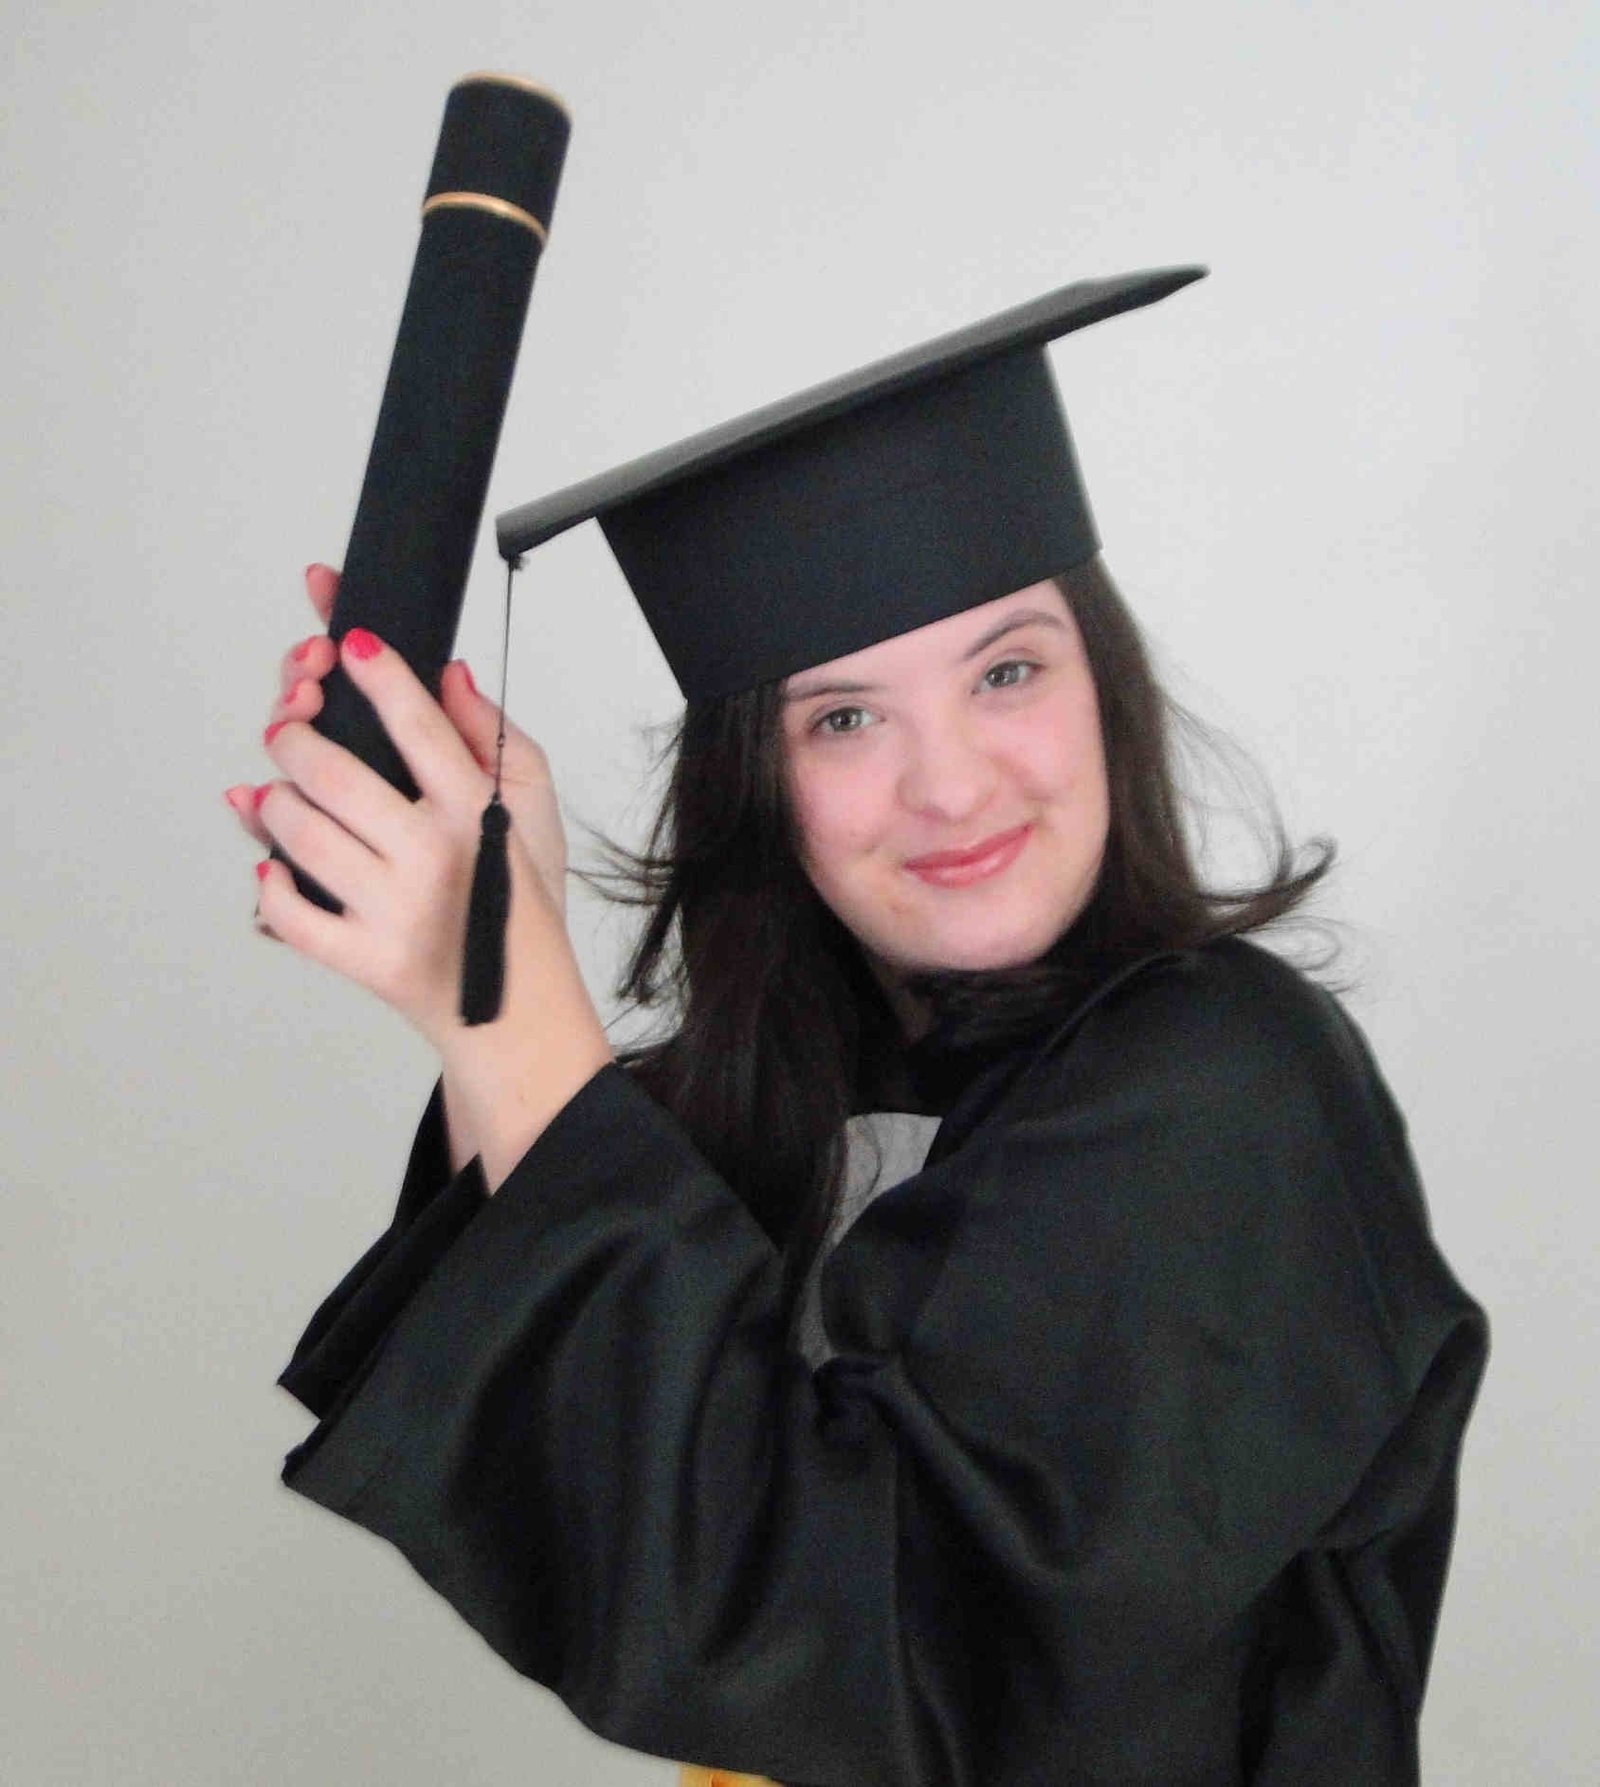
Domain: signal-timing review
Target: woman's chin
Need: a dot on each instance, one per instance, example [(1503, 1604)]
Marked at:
[(975, 956)]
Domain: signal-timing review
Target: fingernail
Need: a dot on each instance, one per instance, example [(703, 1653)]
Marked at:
[(261, 869), (362, 644), (299, 652), (315, 565), (237, 795), (258, 795), (272, 731), (468, 669)]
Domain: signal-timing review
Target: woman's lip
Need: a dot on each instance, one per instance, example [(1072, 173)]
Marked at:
[(948, 861)]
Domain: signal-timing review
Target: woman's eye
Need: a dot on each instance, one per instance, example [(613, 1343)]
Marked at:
[(1010, 664), (838, 713), (826, 722)]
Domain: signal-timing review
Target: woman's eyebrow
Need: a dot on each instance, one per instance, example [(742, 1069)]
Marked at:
[(1022, 618)]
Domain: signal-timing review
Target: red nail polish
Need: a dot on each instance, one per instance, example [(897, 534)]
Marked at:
[(261, 869), (272, 731), (258, 795), (362, 644)]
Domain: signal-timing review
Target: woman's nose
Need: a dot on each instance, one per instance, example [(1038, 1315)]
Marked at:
[(948, 774)]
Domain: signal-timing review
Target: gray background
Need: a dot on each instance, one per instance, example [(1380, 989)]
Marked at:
[(1347, 482)]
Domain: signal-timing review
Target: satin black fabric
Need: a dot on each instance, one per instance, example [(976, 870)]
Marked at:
[(1138, 1463)]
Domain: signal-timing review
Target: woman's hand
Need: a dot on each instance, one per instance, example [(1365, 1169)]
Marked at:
[(401, 869), (300, 674)]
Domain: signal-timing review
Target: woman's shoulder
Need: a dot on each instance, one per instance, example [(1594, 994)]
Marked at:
[(1232, 1002), (1225, 1039)]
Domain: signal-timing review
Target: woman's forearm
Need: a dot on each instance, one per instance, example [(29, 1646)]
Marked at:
[(504, 1081)]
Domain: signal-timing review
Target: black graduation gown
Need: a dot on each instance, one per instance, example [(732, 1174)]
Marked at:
[(1137, 1461)]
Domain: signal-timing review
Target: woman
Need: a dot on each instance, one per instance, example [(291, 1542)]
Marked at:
[(996, 1337)]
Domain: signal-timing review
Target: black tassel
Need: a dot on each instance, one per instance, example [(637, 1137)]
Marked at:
[(483, 967)]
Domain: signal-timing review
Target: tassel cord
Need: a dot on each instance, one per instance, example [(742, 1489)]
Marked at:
[(489, 905)]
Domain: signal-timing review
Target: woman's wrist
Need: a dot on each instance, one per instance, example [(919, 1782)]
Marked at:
[(505, 1081)]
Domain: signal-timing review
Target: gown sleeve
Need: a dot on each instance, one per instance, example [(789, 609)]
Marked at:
[(434, 1207), (1136, 1461)]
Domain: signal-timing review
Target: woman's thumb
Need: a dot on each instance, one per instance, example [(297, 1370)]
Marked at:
[(475, 717)]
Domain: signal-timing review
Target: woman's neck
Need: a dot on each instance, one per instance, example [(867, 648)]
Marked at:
[(914, 1015)]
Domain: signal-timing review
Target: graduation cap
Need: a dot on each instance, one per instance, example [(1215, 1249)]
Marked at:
[(921, 485), (866, 507)]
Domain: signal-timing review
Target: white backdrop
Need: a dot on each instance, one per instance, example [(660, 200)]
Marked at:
[(1346, 481)]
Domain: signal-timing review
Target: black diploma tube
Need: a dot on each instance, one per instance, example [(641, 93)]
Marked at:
[(484, 221)]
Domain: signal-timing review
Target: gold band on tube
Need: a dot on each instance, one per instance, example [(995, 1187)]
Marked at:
[(485, 201), (692, 1775)]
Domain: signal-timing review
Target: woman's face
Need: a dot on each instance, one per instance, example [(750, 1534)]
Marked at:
[(948, 738)]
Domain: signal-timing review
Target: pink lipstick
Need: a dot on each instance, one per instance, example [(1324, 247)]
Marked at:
[(957, 868)]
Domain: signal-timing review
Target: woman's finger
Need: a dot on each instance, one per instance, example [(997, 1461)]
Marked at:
[(316, 656), (303, 701), (242, 798), (322, 585), (318, 845), (285, 915), (300, 675), (304, 704), (312, 658)]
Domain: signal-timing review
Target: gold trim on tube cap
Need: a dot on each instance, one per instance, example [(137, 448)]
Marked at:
[(516, 80), (486, 201)]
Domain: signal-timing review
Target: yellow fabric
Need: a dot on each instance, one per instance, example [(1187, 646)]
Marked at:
[(691, 1776)]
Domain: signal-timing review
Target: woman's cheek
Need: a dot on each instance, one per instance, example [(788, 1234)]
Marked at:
[(858, 814), (834, 836), (831, 798)]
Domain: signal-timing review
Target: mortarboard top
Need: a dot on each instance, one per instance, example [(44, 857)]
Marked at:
[(919, 486)]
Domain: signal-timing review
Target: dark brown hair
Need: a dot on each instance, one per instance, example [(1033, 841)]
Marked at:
[(775, 1010)]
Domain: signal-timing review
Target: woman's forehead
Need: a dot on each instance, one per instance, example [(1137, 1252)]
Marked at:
[(939, 644)]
